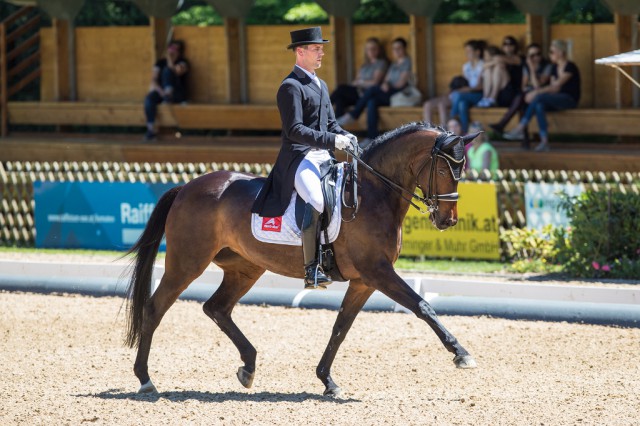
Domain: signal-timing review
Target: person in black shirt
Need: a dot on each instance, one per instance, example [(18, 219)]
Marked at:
[(536, 73), (563, 93), (168, 84)]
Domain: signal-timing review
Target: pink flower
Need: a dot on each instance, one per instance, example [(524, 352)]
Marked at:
[(606, 268), (595, 265)]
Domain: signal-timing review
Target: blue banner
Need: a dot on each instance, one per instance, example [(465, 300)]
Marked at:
[(93, 215)]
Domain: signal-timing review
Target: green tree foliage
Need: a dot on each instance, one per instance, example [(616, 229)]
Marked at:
[(273, 12), (580, 12), (379, 12), (97, 13), (307, 13), (199, 15), (478, 11)]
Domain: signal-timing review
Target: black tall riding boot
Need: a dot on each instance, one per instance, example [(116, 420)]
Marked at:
[(314, 276)]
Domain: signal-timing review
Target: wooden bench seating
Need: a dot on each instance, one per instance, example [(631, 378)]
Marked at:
[(187, 116), (622, 122), (573, 156), (583, 121)]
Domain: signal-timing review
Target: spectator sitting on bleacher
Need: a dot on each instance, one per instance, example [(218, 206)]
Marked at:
[(481, 154), (563, 93), (168, 84), (370, 74), (536, 73), (469, 81), (495, 82), (502, 75), (397, 78)]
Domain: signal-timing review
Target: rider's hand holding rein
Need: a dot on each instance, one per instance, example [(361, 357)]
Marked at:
[(347, 143)]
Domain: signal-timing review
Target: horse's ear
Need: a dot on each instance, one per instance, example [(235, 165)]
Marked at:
[(470, 137)]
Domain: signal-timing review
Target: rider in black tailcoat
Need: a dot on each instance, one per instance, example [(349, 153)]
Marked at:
[(310, 134)]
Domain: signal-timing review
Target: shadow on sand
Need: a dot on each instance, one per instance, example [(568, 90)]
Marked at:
[(181, 396)]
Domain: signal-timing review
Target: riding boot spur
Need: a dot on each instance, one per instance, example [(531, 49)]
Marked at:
[(314, 276)]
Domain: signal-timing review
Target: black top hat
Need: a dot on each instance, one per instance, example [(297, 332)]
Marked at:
[(311, 35)]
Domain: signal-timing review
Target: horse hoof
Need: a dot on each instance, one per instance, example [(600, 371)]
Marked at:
[(245, 377), (465, 361), (148, 388), (335, 392)]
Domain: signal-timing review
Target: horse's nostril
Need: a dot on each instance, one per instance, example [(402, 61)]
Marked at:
[(453, 221)]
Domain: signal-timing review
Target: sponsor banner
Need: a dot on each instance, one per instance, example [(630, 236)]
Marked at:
[(542, 201), (476, 236), (93, 215)]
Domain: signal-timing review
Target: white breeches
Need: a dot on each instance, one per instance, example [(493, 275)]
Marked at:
[(307, 182)]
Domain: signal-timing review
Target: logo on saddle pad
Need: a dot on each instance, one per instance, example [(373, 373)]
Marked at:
[(272, 224)]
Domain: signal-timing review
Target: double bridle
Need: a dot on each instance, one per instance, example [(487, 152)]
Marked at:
[(431, 197)]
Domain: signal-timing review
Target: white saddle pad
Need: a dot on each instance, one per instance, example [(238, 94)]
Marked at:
[(284, 229)]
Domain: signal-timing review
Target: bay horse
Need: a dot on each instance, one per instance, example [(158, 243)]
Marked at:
[(208, 220)]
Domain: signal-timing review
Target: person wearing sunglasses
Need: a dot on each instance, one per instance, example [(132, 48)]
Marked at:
[(536, 73), (562, 93), (502, 75)]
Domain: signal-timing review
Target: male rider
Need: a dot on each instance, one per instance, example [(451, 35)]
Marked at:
[(310, 134)]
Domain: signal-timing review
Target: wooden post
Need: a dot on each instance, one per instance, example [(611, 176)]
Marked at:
[(236, 60), (623, 24), (4, 123), (160, 29), (342, 49), (61, 66), (635, 71), (422, 55), (538, 31)]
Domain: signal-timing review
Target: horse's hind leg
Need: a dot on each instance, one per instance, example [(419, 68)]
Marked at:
[(238, 279), (355, 298), (171, 286)]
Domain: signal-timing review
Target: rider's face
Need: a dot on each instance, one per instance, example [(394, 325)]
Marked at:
[(310, 56)]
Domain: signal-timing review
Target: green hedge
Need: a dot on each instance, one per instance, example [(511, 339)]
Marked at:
[(602, 241), (604, 237)]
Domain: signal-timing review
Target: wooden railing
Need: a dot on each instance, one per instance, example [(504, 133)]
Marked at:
[(19, 56)]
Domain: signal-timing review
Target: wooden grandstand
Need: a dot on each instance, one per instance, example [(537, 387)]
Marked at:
[(109, 92)]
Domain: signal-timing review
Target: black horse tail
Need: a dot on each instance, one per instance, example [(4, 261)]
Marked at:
[(146, 250)]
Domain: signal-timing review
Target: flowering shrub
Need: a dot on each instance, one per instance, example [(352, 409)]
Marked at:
[(605, 237), (603, 240)]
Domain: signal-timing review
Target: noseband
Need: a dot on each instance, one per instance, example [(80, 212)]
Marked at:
[(431, 197)]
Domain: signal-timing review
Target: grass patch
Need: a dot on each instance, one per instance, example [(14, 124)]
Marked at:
[(450, 265), (404, 263)]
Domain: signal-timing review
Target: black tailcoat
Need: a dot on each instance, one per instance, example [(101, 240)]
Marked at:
[(308, 121)]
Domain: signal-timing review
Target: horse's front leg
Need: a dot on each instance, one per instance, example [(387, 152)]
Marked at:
[(355, 298), (385, 279)]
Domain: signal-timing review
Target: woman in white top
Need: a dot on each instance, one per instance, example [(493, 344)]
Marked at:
[(471, 82), (370, 74)]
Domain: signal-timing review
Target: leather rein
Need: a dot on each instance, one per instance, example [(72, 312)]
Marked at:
[(432, 197)]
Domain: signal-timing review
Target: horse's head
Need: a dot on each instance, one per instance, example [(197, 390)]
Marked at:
[(438, 178)]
